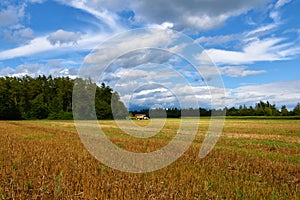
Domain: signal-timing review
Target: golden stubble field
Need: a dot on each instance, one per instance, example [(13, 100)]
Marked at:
[(253, 159)]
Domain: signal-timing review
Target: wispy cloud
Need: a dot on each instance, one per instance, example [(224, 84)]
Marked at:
[(254, 45), (218, 40), (75, 43), (270, 49), (37, 1), (239, 71), (36, 45), (96, 9), (281, 3), (243, 38), (261, 30)]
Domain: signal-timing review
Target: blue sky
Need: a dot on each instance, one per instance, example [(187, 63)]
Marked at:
[(255, 44)]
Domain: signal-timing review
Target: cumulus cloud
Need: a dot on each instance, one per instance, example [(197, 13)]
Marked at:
[(197, 15), (7, 71), (19, 35), (142, 57), (280, 93), (11, 15), (61, 37), (36, 69), (11, 18), (131, 61), (128, 50), (24, 33), (144, 87)]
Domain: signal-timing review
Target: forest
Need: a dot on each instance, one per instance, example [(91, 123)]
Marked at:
[(51, 98)]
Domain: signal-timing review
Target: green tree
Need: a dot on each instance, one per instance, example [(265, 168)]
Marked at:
[(284, 111), (39, 110), (118, 108), (84, 99), (296, 110), (8, 105)]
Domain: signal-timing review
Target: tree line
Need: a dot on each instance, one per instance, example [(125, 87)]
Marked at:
[(51, 98), (260, 109), (263, 109)]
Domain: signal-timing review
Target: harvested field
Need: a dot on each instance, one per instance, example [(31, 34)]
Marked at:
[(253, 159)]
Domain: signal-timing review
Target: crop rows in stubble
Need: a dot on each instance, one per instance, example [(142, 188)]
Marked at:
[(253, 159)]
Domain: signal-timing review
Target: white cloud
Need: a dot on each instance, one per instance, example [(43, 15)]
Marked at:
[(231, 71), (18, 35), (167, 25), (42, 44), (205, 22), (270, 49), (164, 86), (244, 37), (279, 93), (262, 30), (239, 71), (24, 33), (97, 9), (218, 40), (124, 45), (11, 19), (61, 37), (275, 14), (36, 69), (253, 46), (7, 71), (37, 1), (36, 45), (281, 3), (176, 95), (11, 15), (196, 15)]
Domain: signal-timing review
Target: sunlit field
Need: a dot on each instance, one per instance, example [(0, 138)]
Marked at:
[(253, 159)]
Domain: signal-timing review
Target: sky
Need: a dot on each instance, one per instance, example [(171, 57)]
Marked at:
[(253, 45)]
